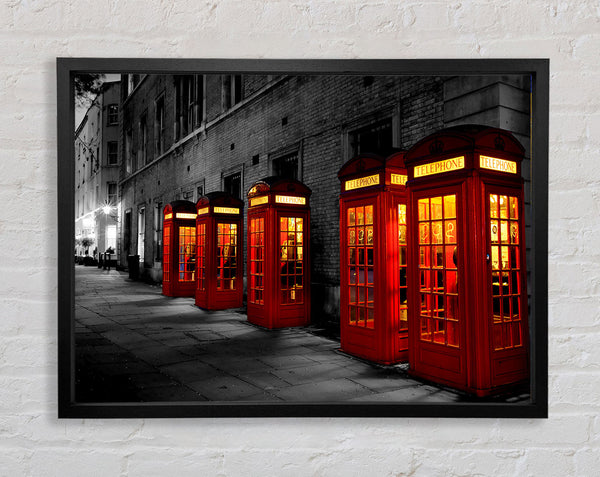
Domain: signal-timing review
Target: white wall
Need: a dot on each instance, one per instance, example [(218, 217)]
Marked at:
[(33, 34)]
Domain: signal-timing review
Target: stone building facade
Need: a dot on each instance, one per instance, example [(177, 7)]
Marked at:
[(184, 135), (97, 173)]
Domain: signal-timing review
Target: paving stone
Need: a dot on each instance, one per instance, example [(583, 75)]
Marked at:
[(190, 371), (286, 362), (335, 390), (169, 394), (265, 380), (241, 367), (151, 380), (123, 368), (224, 388), (407, 393), (159, 355), (379, 383), (127, 338), (313, 373)]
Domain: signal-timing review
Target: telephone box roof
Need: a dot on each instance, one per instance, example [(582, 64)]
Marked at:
[(278, 184), (219, 198), (465, 138), (181, 206)]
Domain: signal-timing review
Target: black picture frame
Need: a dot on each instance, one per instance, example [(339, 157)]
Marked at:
[(538, 69)]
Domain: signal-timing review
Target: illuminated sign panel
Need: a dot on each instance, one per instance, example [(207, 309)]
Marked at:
[(362, 182), (495, 164), (168, 216), (226, 210), (203, 211), (185, 216), (259, 200), (439, 167), (289, 199), (399, 179)]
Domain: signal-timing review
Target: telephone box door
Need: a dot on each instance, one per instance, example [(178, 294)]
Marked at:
[(292, 262), (506, 295), (358, 277), (399, 210), (439, 316)]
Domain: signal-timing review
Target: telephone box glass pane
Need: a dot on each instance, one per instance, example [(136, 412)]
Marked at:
[(402, 266), (505, 271), (201, 256), (226, 256), (291, 260), (257, 232), (437, 224), (187, 254), (167, 254), (361, 239)]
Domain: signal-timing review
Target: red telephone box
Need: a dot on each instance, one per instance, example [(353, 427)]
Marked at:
[(179, 249), (219, 264), (373, 258), (468, 290), (278, 253)]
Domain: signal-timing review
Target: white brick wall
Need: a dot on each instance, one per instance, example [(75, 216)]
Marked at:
[(33, 33)]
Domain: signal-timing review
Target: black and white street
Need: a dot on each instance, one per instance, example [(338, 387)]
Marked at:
[(135, 345)]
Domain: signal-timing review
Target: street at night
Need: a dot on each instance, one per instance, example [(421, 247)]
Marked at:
[(135, 345)]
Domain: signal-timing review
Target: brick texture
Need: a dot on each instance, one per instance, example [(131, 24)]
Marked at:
[(33, 442)]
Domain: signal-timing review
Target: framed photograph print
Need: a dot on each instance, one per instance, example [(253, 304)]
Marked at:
[(343, 238)]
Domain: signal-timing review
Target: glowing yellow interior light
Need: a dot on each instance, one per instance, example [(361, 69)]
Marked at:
[(181, 215), (447, 165), (399, 179), (226, 210), (259, 200), (495, 164), (168, 216), (289, 199), (203, 211), (362, 182)]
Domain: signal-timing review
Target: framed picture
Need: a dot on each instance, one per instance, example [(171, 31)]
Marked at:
[(343, 238)]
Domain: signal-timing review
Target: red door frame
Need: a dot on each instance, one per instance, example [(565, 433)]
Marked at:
[(428, 359), (507, 365)]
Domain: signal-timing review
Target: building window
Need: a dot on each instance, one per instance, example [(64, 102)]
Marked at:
[(111, 236), (112, 115), (127, 233), (157, 242), (188, 194), (232, 184), (143, 156), (159, 126), (111, 192), (201, 98), (376, 138), (132, 82), (199, 191), (112, 152), (129, 151), (141, 232), (184, 101), (286, 166), (232, 91)]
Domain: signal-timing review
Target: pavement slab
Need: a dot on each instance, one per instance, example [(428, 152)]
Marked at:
[(225, 388)]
